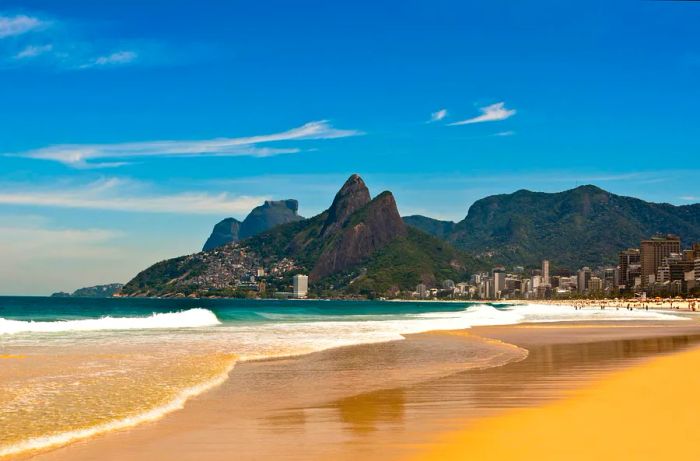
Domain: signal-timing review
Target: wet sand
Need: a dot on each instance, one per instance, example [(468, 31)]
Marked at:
[(389, 400)]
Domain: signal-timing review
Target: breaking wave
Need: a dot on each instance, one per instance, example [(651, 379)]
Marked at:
[(184, 319)]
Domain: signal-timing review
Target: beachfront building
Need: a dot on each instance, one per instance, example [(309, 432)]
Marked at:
[(652, 253), (545, 272), (595, 285), (421, 291), (499, 282), (301, 286), (583, 279), (630, 268)]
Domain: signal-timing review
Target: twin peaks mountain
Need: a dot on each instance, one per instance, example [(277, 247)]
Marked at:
[(359, 246), (586, 226), (262, 218)]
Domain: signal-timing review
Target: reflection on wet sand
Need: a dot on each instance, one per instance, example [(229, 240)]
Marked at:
[(363, 413), (405, 415)]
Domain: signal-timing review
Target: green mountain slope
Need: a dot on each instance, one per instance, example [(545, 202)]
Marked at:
[(582, 226)]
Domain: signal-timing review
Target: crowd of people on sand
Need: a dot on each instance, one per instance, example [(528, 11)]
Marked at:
[(689, 304)]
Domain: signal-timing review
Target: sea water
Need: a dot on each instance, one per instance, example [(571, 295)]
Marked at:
[(71, 368)]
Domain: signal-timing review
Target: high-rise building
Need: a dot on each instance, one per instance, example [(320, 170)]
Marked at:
[(610, 278), (678, 268), (595, 285), (422, 291), (301, 285), (653, 251), (629, 267), (584, 279), (545, 272), (486, 288), (499, 281)]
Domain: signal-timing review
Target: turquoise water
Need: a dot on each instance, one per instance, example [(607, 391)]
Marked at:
[(226, 310)]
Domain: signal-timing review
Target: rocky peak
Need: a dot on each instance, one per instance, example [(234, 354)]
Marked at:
[(350, 198), (224, 232), (369, 229), (262, 218), (268, 215), (290, 204)]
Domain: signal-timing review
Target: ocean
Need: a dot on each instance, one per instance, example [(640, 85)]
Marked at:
[(71, 368)]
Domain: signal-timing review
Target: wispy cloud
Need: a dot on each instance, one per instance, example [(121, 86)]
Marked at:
[(122, 195), (438, 115), (58, 43), (690, 198), (33, 51), (18, 25), (505, 133), (85, 155), (492, 113), (114, 59)]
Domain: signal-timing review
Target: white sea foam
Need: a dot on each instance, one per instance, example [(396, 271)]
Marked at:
[(562, 313), (309, 334), (184, 319)]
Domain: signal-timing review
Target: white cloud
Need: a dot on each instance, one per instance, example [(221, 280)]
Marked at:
[(437, 116), (114, 59), (690, 198), (118, 195), (33, 51), (505, 133), (81, 155), (70, 47), (18, 25), (492, 113)]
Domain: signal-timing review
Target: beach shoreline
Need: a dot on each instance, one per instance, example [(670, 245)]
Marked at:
[(356, 400)]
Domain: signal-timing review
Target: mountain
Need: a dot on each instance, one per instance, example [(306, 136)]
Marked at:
[(98, 291), (266, 216), (224, 232), (440, 229), (577, 227), (360, 246)]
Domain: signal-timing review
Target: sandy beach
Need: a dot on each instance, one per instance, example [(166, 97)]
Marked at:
[(430, 396)]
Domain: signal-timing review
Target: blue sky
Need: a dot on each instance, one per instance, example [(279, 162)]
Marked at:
[(442, 102)]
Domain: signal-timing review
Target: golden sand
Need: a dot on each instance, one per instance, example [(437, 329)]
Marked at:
[(649, 412)]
